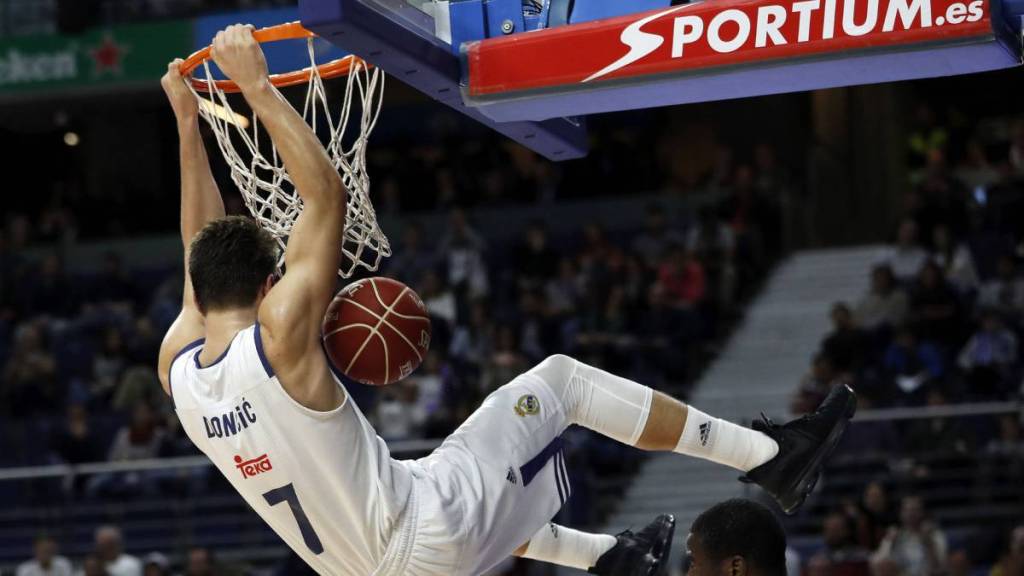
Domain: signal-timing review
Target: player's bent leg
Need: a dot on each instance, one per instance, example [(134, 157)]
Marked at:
[(637, 415), (784, 460)]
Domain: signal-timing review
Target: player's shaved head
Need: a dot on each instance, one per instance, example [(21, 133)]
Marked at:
[(739, 538), (229, 261)]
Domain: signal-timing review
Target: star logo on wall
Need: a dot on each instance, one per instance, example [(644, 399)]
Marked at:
[(108, 56)]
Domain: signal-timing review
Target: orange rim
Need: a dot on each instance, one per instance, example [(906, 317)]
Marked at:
[(288, 31)]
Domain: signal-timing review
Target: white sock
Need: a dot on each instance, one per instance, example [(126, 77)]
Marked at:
[(724, 442), (567, 547)]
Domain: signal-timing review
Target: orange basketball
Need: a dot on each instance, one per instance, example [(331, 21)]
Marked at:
[(376, 331)]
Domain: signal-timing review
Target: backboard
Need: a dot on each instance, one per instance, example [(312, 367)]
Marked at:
[(533, 69)]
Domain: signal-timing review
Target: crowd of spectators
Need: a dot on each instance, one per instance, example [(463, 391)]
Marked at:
[(943, 311), (876, 534), (940, 324), (108, 558)]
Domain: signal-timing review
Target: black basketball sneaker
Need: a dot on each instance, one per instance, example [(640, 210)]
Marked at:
[(644, 553), (804, 444)]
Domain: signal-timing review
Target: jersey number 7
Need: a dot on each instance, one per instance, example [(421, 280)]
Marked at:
[(287, 494)]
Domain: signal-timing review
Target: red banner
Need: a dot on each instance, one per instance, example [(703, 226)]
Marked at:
[(715, 34)]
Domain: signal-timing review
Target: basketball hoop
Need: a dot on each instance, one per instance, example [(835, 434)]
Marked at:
[(267, 190)]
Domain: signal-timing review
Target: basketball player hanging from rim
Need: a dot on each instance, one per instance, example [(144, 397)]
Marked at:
[(251, 384)]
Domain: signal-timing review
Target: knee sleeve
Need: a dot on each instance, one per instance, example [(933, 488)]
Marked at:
[(595, 399)]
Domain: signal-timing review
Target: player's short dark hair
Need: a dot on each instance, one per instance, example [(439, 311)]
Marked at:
[(739, 527), (229, 261)]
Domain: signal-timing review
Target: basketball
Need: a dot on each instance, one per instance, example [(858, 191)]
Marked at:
[(376, 331)]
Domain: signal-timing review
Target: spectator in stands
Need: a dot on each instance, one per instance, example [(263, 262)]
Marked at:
[(1011, 561), (113, 285), (681, 276), (845, 556), (1016, 154), (107, 366), (45, 560), (667, 331), (504, 364), (934, 307), (473, 341), (906, 258), (654, 243), (927, 134), (144, 343), (846, 345), (562, 292), (428, 388), (29, 379), (202, 563), (916, 545), (536, 261), (156, 564), (884, 307), (137, 384), (959, 563), (1005, 292), (714, 244), (814, 386), (76, 443), (911, 364), (92, 566), (52, 293), (57, 222), (1009, 444), (537, 332), (461, 250), (989, 359), (412, 260), (111, 555), (955, 260), (975, 170), (1003, 462), (885, 567), (140, 440), (873, 515), (438, 298), (818, 565), (939, 440)]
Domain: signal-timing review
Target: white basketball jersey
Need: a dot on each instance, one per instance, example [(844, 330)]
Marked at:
[(323, 481)]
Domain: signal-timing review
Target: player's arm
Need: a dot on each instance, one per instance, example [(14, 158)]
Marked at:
[(200, 203), (292, 312)]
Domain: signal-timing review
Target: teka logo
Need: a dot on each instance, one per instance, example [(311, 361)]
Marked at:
[(254, 467)]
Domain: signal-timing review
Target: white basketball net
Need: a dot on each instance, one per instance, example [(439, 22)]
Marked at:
[(267, 189)]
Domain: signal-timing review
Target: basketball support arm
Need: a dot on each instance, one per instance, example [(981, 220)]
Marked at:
[(532, 74), (425, 62)]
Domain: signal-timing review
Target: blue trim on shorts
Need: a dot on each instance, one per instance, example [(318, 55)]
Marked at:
[(261, 353), (562, 496), (533, 467), (562, 472)]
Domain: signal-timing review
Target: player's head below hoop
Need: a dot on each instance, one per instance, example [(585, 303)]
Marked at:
[(232, 262), (736, 538)]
